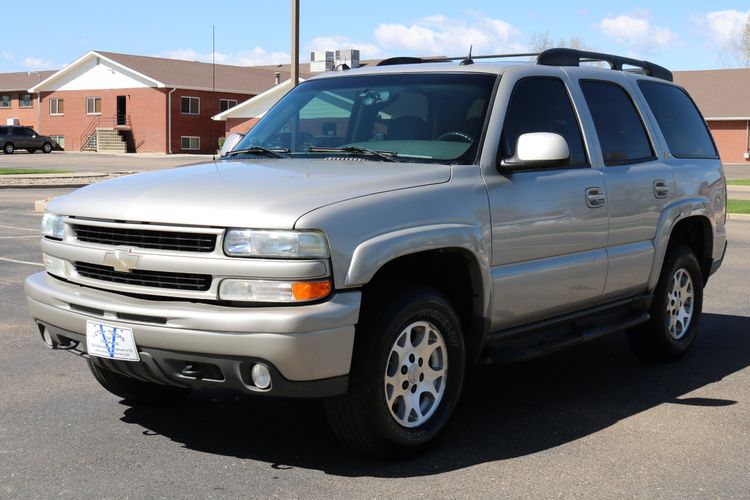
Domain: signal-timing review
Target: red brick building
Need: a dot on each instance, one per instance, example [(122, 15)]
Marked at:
[(723, 97), (16, 102), (120, 102)]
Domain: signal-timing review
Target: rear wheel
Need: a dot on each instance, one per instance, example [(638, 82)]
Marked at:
[(406, 377), (132, 390), (8, 148), (675, 310), (47, 147)]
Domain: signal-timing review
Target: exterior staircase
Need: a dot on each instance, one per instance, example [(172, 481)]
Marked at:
[(109, 140)]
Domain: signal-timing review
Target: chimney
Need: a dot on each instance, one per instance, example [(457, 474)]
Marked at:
[(277, 77)]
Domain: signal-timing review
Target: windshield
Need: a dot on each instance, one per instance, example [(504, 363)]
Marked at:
[(412, 117)]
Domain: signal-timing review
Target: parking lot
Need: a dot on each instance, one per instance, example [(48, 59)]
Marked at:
[(593, 421)]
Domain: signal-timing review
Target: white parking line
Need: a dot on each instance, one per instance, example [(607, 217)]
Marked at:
[(12, 237), (5, 259), (19, 228)]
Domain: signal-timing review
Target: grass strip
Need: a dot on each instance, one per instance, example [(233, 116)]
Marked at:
[(28, 171)]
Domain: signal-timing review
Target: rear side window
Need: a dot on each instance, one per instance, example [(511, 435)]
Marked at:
[(679, 120), (542, 105), (622, 136)]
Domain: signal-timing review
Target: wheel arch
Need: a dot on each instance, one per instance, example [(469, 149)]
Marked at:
[(690, 224), (450, 258)]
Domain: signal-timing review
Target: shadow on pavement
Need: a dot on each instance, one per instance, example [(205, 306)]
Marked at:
[(506, 411)]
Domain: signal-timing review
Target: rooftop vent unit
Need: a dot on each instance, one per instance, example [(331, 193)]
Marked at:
[(321, 60), (350, 57)]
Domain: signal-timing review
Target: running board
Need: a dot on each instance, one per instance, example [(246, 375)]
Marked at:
[(530, 341)]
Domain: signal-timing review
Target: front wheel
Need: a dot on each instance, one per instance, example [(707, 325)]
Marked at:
[(406, 377), (675, 310), (132, 390), (47, 147)]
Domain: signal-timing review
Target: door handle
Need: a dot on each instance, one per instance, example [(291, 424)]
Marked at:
[(595, 197), (661, 189)]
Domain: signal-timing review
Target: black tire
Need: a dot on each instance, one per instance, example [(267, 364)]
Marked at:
[(362, 418), (132, 390), (8, 148), (653, 340), (47, 148)]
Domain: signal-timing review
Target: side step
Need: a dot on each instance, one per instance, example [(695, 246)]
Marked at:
[(530, 341)]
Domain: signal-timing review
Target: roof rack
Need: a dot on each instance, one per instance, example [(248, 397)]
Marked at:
[(573, 57), (549, 57), (419, 60)]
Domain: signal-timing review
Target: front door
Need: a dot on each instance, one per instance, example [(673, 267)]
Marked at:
[(122, 111), (549, 224)]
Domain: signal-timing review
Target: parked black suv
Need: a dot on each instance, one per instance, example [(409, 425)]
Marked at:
[(13, 137)]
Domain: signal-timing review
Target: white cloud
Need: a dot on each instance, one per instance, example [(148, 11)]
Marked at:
[(723, 26), (440, 35), (637, 32), (255, 57), (37, 63), (7, 55)]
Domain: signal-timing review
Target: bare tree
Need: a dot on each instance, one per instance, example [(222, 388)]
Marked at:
[(539, 42), (737, 53)]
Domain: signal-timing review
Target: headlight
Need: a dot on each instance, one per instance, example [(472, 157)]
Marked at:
[(52, 226), (275, 244)]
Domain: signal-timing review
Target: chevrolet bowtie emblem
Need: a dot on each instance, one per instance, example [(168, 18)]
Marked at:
[(122, 259)]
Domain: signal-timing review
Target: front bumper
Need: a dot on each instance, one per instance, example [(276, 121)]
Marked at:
[(308, 348)]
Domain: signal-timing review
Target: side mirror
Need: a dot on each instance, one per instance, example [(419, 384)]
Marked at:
[(230, 142), (537, 149)]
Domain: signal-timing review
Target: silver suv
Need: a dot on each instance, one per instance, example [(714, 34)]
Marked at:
[(382, 230)]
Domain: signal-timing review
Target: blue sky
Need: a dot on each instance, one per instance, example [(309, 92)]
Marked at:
[(678, 34)]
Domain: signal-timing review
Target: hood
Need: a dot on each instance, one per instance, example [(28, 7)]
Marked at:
[(242, 193)]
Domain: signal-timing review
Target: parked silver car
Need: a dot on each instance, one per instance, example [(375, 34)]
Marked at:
[(382, 230)]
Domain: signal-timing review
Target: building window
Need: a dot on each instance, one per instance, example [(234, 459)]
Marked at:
[(191, 105), (190, 143), (59, 140), (4, 101), (56, 106), (93, 105), (26, 101), (225, 104)]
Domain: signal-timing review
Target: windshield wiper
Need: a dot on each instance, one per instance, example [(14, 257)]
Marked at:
[(260, 150), (383, 155)]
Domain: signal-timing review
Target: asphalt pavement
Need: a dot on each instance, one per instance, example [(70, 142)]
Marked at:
[(594, 421), (98, 162)]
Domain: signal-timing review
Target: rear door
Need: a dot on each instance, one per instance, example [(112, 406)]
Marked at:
[(548, 237), (639, 182)]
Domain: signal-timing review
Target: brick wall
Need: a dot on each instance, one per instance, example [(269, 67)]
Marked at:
[(200, 125), (26, 116), (241, 125), (730, 140), (146, 106)]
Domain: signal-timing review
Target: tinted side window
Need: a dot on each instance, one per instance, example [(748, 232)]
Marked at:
[(622, 136), (4, 130), (679, 120), (542, 105)]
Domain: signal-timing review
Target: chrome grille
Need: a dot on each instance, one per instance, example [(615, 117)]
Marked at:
[(146, 238), (139, 277)]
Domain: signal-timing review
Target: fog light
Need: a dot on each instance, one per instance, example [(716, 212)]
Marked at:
[(55, 266), (261, 376)]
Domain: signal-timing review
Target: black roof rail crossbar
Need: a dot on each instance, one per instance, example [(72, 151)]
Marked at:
[(573, 57), (418, 60)]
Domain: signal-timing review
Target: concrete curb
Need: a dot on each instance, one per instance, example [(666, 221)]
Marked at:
[(739, 189), (77, 179), (732, 216)]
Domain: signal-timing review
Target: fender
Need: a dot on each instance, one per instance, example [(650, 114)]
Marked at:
[(671, 215), (371, 255)]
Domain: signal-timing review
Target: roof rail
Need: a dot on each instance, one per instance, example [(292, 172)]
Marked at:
[(418, 60), (573, 57)]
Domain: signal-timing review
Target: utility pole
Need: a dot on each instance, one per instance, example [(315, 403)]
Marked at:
[(295, 43)]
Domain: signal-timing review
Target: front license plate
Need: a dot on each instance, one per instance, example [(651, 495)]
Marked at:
[(110, 341)]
